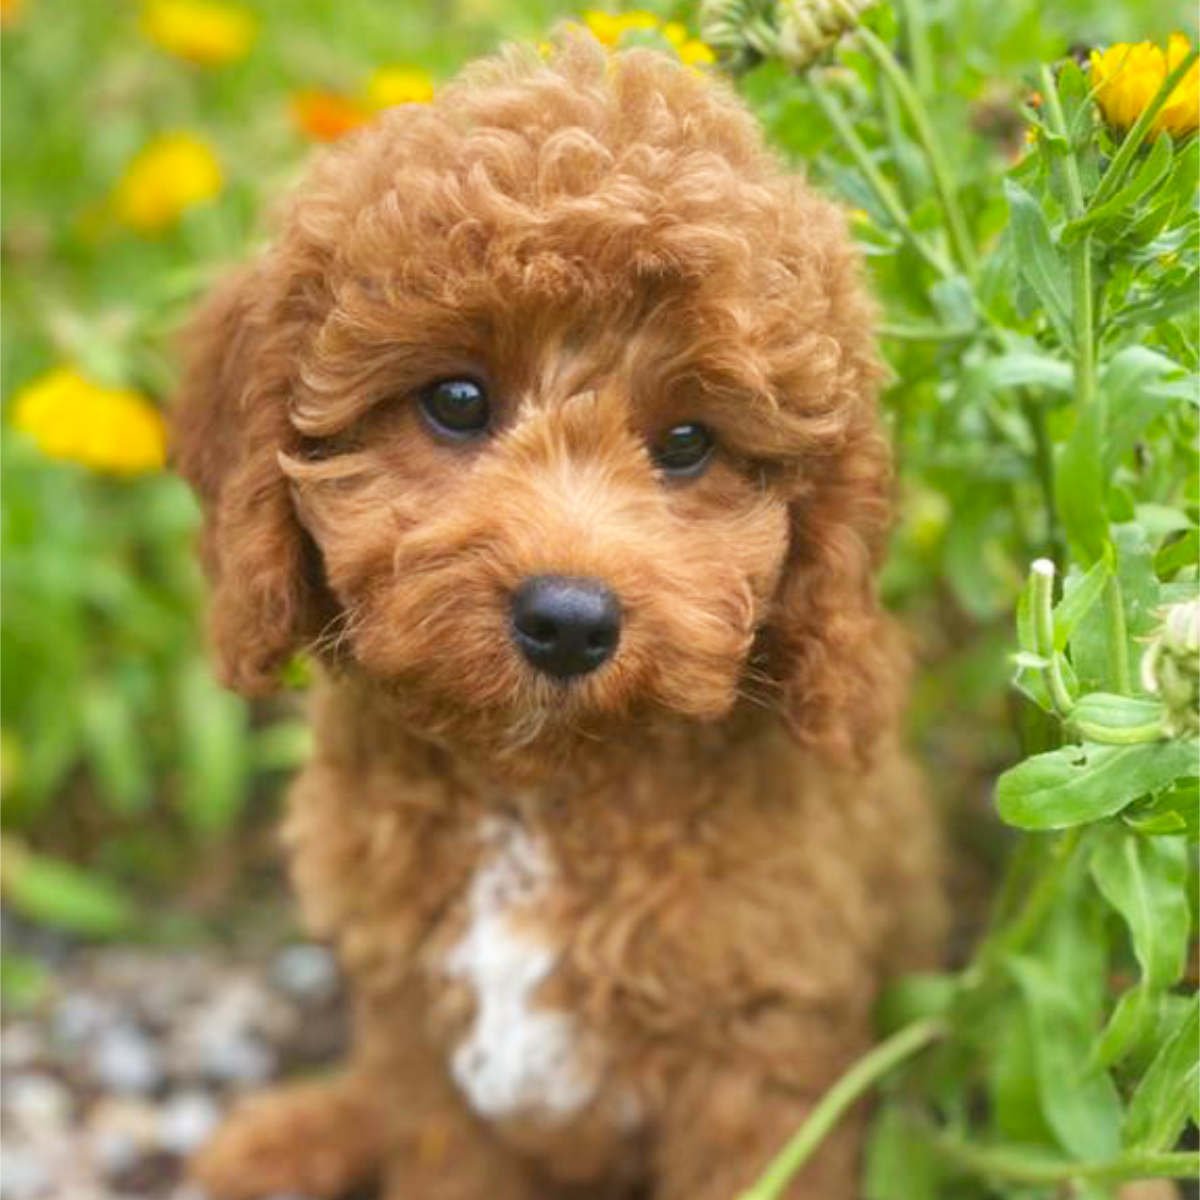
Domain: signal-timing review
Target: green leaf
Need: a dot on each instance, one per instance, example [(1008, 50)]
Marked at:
[(1080, 593), (892, 1153), (116, 749), (1175, 810), (214, 751), (1025, 368), (1177, 554), (283, 746), (1141, 595), (1079, 1100), (1132, 1022), (1160, 1104), (56, 893), (1104, 710), (1138, 384), (1145, 880), (1152, 172), (1076, 784), (1039, 262), (914, 997), (1015, 1109)]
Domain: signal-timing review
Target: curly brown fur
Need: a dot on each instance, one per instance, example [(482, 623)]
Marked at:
[(619, 932)]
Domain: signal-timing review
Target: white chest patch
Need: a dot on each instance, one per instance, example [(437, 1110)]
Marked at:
[(517, 1060)]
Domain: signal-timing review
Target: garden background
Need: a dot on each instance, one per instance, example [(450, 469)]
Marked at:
[(144, 146)]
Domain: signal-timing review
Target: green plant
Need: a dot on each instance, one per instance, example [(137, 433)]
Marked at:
[(1041, 322)]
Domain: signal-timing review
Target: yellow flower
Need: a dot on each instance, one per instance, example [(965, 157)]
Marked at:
[(326, 116), (696, 54), (115, 430), (610, 28), (10, 11), (675, 32), (205, 32), (169, 175), (389, 86), (1127, 76)]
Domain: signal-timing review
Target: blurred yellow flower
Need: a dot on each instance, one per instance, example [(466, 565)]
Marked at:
[(389, 86), (11, 11), (169, 175), (205, 32), (326, 116), (115, 430), (1127, 76), (696, 54), (610, 28)]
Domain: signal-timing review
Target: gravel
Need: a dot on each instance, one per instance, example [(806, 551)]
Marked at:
[(126, 1066)]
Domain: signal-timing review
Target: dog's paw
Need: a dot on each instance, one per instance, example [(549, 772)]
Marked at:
[(319, 1140)]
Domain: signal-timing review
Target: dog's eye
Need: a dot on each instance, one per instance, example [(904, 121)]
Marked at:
[(684, 449), (457, 408)]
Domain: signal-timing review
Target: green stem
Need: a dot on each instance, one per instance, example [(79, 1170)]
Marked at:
[(1119, 166), (1082, 296), (857, 1081), (1035, 417), (1042, 603), (916, 38), (1130, 735), (939, 170), (1018, 1167), (883, 190)]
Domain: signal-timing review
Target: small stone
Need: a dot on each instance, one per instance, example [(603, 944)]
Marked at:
[(126, 1061), (306, 971), (120, 1133), (185, 1121), (188, 1191), (238, 1058), (25, 1176), (115, 1152), (80, 1017), (229, 1039), (37, 1104)]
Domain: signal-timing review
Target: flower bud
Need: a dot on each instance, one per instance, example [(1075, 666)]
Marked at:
[(807, 28), (1171, 668), (796, 31)]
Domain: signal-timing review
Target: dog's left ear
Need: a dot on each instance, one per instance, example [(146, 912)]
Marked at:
[(228, 425), (837, 658)]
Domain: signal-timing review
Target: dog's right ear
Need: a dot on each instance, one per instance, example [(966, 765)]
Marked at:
[(228, 425)]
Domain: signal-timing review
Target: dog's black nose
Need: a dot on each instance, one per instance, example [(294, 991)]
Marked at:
[(565, 626)]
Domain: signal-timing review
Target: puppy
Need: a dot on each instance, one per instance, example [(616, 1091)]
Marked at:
[(548, 425)]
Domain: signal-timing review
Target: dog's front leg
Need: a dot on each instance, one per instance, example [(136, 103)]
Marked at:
[(318, 1139)]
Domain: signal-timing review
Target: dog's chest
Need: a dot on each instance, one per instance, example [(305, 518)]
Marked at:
[(520, 1057)]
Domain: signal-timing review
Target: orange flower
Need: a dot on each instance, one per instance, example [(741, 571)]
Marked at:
[(326, 116)]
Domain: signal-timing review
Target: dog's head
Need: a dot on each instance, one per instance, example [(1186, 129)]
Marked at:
[(550, 408)]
